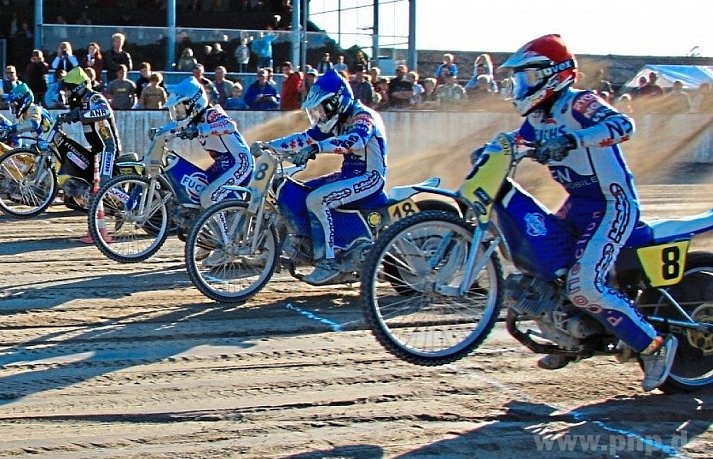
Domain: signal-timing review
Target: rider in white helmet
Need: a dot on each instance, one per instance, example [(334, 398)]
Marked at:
[(578, 136), (217, 133), (340, 125)]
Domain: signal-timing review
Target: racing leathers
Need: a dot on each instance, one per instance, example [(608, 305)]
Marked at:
[(233, 164), (93, 111), (35, 120), (602, 205), (361, 139)]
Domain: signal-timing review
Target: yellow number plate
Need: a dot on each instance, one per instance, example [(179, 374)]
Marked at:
[(402, 209), (664, 264)]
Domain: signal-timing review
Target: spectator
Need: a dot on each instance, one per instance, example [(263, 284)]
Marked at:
[(262, 94), (412, 77), (481, 97), (483, 65), (143, 80), (95, 60), (55, 96), (153, 96), (65, 59), (624, 103), (9, 82), (382, 94), (450, 94), (218, 57), (702, 101), (341, 66), (641, 84), (447, 65), (324, 64), (375, 74), (205, 58), (310, 77), (651, 88), (222, 86), (362, 88), (94, 85), (262, 46), (290, 98), (360, 59), (676, 101), (428, 98), (121, 91), (235, 101), (198, 74), (116, 56), (400, 89), (36, 74), (242, 55), (187, 61)]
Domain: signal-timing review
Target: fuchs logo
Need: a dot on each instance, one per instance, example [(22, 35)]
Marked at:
[(194, 185), (535, 225)]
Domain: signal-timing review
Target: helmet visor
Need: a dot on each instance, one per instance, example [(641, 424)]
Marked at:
[(178, 112), (522, 82), (317, 114)]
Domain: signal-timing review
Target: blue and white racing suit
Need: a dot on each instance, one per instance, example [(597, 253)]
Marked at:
[(233, 164), (602, 204), (361, 140)]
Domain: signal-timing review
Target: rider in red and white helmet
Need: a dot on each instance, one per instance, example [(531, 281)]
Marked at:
[(577, 134)]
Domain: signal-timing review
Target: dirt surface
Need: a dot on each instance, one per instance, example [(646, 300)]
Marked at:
[(100, 359)]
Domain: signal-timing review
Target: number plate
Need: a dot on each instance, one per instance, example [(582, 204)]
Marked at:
[(664, 264), (402, 209)]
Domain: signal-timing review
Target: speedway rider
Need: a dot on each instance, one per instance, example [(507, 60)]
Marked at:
[(92, 110), (195, 117), (577, 136), (341, 125), (29, 117)]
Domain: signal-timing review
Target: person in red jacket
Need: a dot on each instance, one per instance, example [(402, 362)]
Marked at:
[(290, 98)]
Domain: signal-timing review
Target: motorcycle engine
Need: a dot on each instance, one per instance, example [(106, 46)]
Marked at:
[(529, 296), (184, 216), (77, 189), (575, 322)]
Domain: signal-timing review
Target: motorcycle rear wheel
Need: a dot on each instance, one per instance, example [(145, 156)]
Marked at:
[(399, 290), (124, 234), (235, 272), (693, 367), (27, 186)]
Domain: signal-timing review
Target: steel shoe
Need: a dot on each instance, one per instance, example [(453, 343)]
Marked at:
[(658, 362), (325, 271)]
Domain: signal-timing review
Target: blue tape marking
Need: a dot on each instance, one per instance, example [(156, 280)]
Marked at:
[(332, 325)]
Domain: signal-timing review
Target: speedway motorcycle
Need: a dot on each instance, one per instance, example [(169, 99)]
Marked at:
[(32, 175), (132, 215), (250, 239), (433, 284)]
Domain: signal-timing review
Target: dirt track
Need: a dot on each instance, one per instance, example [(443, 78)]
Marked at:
[(100, 359)]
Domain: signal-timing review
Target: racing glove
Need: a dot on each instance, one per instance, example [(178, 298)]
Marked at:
[(305, 154), (256, 148), (555, 149), (188, 133)]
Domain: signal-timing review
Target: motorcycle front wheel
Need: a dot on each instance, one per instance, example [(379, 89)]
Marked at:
[(28, 184), (693, 367), (409, 290), (128, 224), (228, 259)]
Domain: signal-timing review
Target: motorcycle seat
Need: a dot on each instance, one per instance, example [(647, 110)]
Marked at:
[(128, 157), (399, 193), (369, 202), (681, 228)]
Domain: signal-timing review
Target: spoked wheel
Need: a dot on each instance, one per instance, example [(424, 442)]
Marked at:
[(28, 185), (127, 222), (227, 260), (410, 290), (693, 367)]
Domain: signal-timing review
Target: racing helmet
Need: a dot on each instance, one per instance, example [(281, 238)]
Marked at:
[(76, 82), (21, 98), (329, 98), (186, 100), (538, 71)]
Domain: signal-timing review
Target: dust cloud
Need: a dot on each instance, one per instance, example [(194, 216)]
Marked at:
[(658, 154)]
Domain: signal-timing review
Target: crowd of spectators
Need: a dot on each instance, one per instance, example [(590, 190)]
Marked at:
[(441, 89)]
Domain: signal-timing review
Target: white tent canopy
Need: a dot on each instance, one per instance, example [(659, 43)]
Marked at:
[(690, 75)]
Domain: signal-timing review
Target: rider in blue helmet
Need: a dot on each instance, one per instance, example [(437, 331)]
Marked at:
[(343, 126), (29, 117)]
